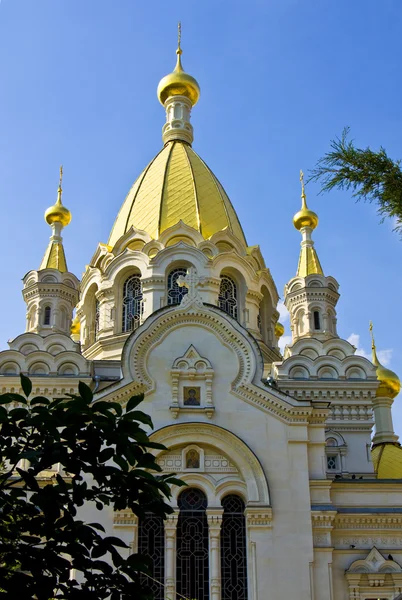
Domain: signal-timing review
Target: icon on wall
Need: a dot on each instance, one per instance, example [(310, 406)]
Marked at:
[(191, 396), (192, 460)]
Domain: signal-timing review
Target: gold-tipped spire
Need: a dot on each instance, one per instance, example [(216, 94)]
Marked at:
[(178, 83), (305, 221), (305, 217), (58, 213), (390, 384)]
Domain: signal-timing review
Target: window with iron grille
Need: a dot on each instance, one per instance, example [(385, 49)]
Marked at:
[(227, 299), (332, 462), (192, 569), (133, 305), (151, 542), (175, 293), (233, 549)]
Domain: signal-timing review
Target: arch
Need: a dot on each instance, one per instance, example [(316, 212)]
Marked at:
[(327, 372), (68, 369), (229, 444), (10, 368), (132, 303), (299, 372), (39, 368)]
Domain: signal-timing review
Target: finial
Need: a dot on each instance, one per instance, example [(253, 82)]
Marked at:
[(179, 50), (373, 347), (58, 213), (60, 189), (303, 194)]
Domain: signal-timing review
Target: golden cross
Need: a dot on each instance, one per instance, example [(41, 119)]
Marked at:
[(372, 334), (61, 176), (179, 35), (302, 183)]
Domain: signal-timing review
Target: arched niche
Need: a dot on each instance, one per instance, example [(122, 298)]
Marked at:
[(250, 479)]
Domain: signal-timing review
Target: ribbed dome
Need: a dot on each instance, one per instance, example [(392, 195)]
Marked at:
[(177, 185)]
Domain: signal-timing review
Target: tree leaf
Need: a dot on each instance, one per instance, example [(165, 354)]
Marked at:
[(26, 384), (85, 392), (134, 402)]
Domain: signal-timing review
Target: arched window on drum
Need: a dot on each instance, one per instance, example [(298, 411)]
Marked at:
[(228, 296), (175, 293), (133, 304)]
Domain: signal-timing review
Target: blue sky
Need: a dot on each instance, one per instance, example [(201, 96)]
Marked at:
[(279, 79)]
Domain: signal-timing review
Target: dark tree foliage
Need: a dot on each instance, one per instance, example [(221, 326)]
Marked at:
[(372, 176), (103, 452)]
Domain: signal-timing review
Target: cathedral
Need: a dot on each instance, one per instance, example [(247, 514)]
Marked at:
[(289, 494)]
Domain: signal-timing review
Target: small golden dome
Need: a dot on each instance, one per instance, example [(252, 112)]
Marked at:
[(75, 326), (178, 83), (58, 213), (305, 217), (390, 384), (279, 330)]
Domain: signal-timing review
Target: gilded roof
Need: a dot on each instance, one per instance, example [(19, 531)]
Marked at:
[(387, 460), (309, 263), (54, 257), (176, 185)]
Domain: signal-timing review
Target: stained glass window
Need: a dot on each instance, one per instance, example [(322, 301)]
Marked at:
[(151, 542), (175, 293), (133, 305), (233, 549), (227, 299), (192, 571)]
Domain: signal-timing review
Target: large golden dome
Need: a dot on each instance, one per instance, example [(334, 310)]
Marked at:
[(177, 185)]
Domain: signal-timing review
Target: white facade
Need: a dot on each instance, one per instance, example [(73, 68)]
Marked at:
[(319, 524)]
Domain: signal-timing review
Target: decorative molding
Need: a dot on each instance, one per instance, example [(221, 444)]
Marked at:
[(258, 517)]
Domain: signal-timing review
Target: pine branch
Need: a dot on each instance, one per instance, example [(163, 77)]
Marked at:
[(372, 176)]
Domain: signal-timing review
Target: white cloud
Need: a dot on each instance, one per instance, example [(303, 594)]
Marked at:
[(283, 312), (384, 356), (283, 341)]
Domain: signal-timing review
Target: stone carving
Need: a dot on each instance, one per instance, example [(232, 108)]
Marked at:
[(191, 281)]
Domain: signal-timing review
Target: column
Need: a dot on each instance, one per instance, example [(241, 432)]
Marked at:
[(170, 555), (214, 516)]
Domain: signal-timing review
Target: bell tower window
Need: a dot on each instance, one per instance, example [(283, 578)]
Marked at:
[(133, 305), (316, 316), (47, 315), (175, 293), (227, 299)]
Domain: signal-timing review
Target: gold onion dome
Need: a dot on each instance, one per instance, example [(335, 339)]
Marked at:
[(177, 185), (279, 330), (305, 217), (178, 83), (58, 213), (390, 384)]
